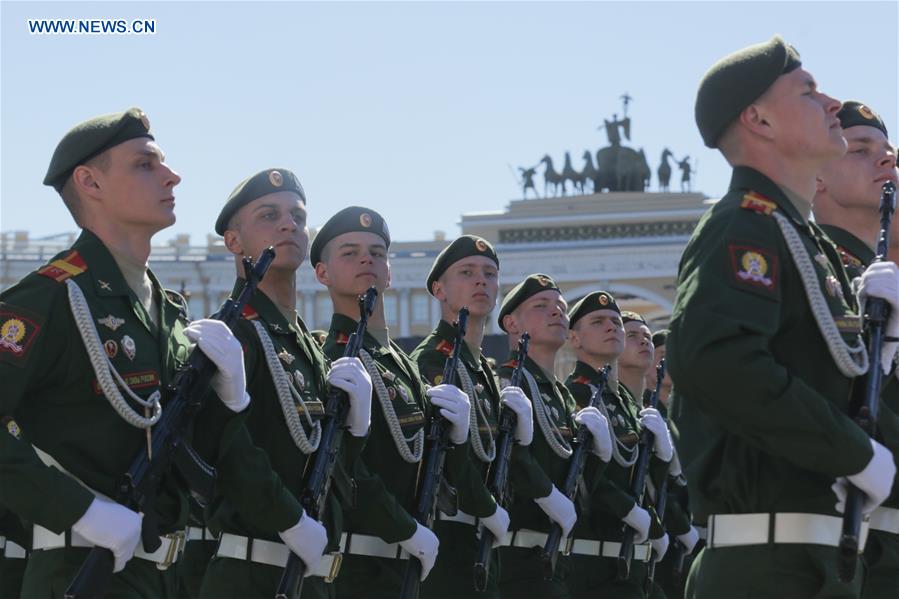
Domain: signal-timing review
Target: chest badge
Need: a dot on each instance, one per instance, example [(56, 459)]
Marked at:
[(129, 347), (485, 404), (286, 357), (111, 322), (479, 388), (299, 379), (111, 347), (834, 289), (821, 259), (754, 268)]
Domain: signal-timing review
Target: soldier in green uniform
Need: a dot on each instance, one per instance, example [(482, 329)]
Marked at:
[(846, 206), (536, 306), (637, 358), (287, 377), (466, 273), (765, 342), (88, 345), (350, 255), (598, 338), (678, 520)]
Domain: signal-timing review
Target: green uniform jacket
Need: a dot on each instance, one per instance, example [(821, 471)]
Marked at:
[(764, 406), (262, 501), (612, 499), (385, 483), (49, 386), (431, 356), (536, 468)]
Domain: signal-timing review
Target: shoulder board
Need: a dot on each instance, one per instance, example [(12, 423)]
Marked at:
[(249, 313), (758, 203), (444, 347), (581, 380), (510, 364), (342, 339), (59, 270)]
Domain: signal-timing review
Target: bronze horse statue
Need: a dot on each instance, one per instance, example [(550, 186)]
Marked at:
[(551, 177), (664, 171)]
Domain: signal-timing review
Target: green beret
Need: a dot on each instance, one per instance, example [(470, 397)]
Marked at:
[(659, 337), (462, 247), (628, 316), (354, 218), (262, 183), (531, 286), (738, 80), (593, 301), (92, 137), (854, 114)]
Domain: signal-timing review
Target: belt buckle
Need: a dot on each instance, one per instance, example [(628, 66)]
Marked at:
[(335, 567), (175, 546)]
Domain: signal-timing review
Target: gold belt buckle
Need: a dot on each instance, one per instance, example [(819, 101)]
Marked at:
[(335, 567), (175, 545)]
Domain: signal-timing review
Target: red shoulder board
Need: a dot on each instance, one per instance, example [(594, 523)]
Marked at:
[(249, 313), (581, 380), (758, 203), (342, 339), (60, 270), (444, 347), (510, 364)]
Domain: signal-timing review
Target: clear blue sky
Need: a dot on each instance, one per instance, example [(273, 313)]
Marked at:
[(414, 109)]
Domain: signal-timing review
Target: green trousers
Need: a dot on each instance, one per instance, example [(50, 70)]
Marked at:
[(229, 578), (191, 567), (882, 560), (370, 577), (522, 575), (453, 575), (591, 577), (12, 570), (49, 572), (770, 572)]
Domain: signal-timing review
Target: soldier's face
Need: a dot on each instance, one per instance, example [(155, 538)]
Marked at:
[(802, 121), (545, 316), (637, 347), (600, 333), (354, 262), (855, 180), (472, 281), (277, 219), (137, 187)]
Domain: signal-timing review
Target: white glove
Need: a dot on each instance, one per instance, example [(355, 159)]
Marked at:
[(518, 402), (689, 540), (560, 510), (308, 539), (598, 426), (881, 279), (662, 445), (455, 407), (639, 520), (350, 375), (498, 524), (113, 526), (659, 547), (215, 339), (875, 481), (422, 545)]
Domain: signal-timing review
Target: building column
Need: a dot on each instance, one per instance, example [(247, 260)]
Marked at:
[(309, 308), (436, 314), (404, 312)]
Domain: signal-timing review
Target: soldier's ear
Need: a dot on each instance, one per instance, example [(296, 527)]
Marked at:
[(820, 187), (85, 181), (574, 339), (510, 325), (437, 291), (233, 243), (321, 274), (754, 119)]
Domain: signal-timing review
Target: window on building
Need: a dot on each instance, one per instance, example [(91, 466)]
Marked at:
[(420, 304), (390, 309)]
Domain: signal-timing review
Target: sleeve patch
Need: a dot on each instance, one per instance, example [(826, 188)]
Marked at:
[(444, 347), (754, 267), (17, 335)]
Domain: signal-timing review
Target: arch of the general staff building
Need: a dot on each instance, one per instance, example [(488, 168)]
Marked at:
[(626, 243)]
